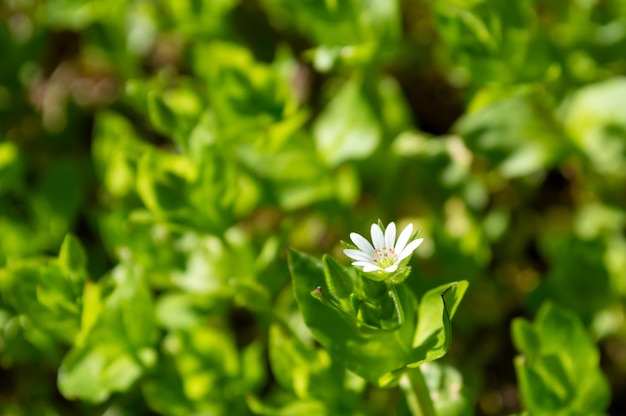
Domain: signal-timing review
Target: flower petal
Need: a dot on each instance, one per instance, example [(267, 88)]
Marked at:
[(363, 263), (357, 255), (390, 235), (362, 243), (404, 238), (409, 249), (377, 236), (391, 268), (371, 268)]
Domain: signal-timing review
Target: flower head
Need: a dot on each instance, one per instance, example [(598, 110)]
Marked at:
[(386, 255)]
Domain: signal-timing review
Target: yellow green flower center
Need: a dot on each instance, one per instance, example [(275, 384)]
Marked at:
[(385, 257)]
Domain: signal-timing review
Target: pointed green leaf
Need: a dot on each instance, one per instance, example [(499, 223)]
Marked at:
[(72, 255), (116, 341), (434, 334), (163, 181), (525, 337), (160, 113), (338, 280)]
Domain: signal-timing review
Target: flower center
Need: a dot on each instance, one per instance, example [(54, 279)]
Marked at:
[(385, 257)]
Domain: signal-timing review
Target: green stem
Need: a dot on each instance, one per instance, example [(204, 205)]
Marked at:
[(416, 392), (397, 304)]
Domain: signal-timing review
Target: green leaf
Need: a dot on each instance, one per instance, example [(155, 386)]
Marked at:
[(11, 167), (46, 294), (376, 354), (338, 281), (297, 175), (525, 337), (467, 29), (252, 295), (163, 390), (220, 266), (163, 180), (517, 134), (593, 118), (567, 282), (445, 384), (203, 372), (340, 23), (494, 41), (177, 310), (306, 371), (347, 128), (49, 291), (175, 111), (93, 374), (294, 408), (436, 309), (559, 370), (251, 100), (116, 342), (161, 115), (199, 19), (116, 150), (72, 255)]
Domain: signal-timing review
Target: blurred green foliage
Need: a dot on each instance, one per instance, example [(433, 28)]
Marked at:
[(157, 158), (558, 372)]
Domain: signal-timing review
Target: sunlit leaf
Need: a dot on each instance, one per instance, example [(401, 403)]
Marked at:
[(116, 343), (347, 129)]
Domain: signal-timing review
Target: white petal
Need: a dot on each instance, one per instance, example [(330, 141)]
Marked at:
[(409, 249), (390, 235), (362, 243), (357, 255), (391, 268), (377, 236), (371, 268), (363, 263), (404, 238)]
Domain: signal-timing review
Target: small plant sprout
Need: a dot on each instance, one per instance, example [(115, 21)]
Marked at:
[(386, 259)]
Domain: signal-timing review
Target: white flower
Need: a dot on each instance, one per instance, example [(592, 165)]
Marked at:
[(387, 253)]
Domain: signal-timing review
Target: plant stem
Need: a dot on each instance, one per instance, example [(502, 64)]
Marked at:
[(416, 393)]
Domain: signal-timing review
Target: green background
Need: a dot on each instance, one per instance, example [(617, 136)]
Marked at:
[(159, 158)]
